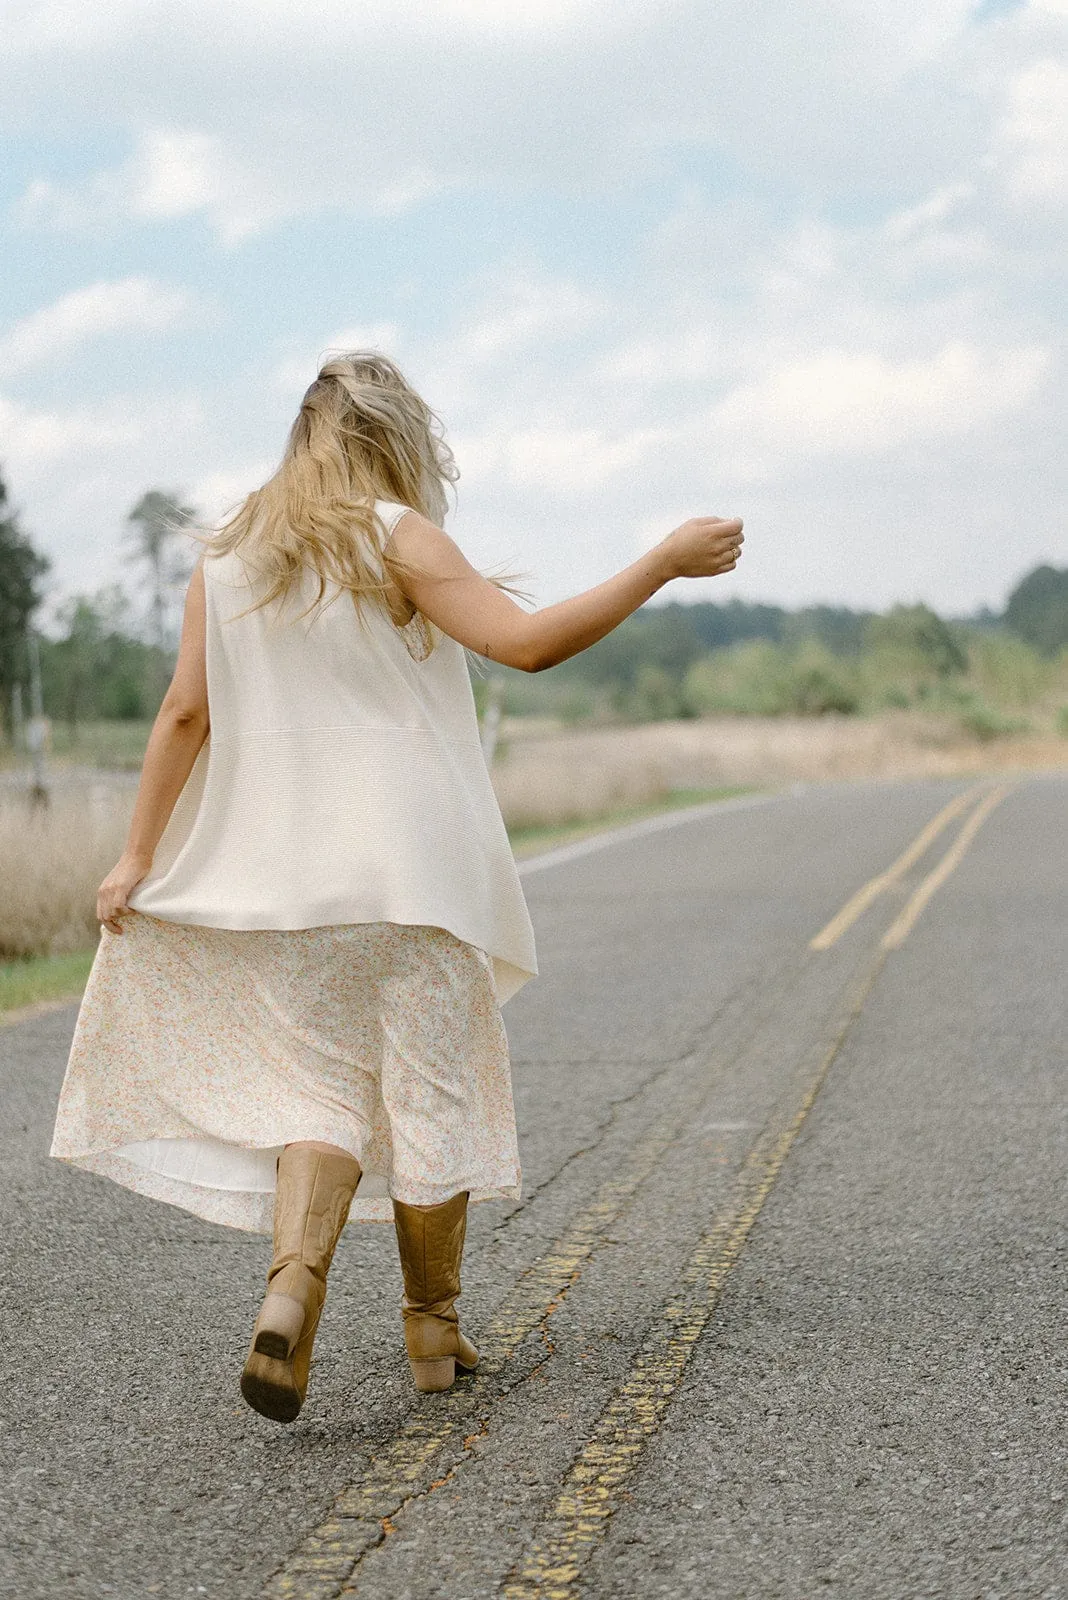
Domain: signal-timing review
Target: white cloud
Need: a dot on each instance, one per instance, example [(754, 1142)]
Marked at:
[(182, 172), (35, 439), (295, 373), (217, 493), (1031, 138), (172, 173), (833, 217), (175, 173), (916, 219), (76, 470), (134, 304), (576, 460), (517, 322), (842, 402), (42, 27), (691, 355), (394, 103)]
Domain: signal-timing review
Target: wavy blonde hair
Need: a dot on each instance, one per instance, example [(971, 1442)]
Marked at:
[(362, 434)]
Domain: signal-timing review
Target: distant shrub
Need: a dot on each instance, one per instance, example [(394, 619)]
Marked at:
[(1062, 721), (818, 683), (576, 705), (1005, 669), (918, 638), (762, 679), (655, 696), (984, 722), (746, 679)]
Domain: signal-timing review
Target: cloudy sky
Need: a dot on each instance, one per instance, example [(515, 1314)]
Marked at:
[(646, 258)]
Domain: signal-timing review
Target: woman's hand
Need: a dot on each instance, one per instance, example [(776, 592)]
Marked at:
[(112, 895), (703, 547)]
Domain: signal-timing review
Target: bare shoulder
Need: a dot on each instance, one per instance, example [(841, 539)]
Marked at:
[(420, 542)]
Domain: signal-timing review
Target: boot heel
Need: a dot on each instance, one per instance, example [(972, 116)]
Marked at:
[(311, 1205), (432, 1377), (278, 1326), (269, 1388)]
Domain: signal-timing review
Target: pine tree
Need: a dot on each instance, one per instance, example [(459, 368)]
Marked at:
[(21, 569)]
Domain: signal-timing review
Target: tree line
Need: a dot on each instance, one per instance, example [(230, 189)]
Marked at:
[(112, 659), (688, 660)]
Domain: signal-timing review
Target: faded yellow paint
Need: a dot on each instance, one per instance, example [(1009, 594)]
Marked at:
[(870, 891), (321, 1566), (325, 1565), (903, 924), (551, 1566)]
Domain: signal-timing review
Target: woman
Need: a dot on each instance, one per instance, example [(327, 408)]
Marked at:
[(294, 1011)]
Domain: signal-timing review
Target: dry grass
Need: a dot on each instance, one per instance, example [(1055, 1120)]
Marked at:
[(551, 778), (51, 864)]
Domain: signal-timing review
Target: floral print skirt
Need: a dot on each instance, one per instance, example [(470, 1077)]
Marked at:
[(199, 1052)]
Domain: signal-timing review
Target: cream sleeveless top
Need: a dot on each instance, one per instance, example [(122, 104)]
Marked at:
[(342, 781)]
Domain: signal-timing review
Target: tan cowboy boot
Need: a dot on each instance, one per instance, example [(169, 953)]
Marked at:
[(312, 1200), (431, 1241)]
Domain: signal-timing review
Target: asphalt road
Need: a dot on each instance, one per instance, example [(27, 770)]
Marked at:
[(779, 1315)]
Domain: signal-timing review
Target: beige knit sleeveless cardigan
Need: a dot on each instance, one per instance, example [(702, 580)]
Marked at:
[(342, 781)]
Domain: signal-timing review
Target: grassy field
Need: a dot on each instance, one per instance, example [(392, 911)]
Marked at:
[(532, 840), (550, 776), (554, 784), (52, 978), (26, 984), (109, 746)]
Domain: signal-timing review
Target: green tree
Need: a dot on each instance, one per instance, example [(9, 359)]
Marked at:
[(654, 697), (733, 621), (73, 676), (21, 569), (818, 683), (1037, 609), (1006, 669), (750, 678), (98, 669), (154, 528), (836, 627), (924, 645)]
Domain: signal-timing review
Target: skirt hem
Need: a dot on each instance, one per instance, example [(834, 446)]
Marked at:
[(252, 1211)]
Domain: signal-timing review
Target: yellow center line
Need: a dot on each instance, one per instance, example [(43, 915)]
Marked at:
[(902, 925), (870, 891), (551, 1566), (322, 1564)]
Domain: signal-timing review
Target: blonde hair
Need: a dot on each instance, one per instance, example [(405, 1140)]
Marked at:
[(362, 434)]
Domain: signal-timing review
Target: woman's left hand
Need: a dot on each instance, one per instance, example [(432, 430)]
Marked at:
[(113, 893)]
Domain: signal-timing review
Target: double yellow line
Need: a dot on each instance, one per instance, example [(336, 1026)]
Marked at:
[(869, 892), (552, 1565)]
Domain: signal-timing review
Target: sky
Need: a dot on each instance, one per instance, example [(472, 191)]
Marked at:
[(646, 259)]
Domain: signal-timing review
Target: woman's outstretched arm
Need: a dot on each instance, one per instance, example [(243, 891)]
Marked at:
[(462, 603)]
